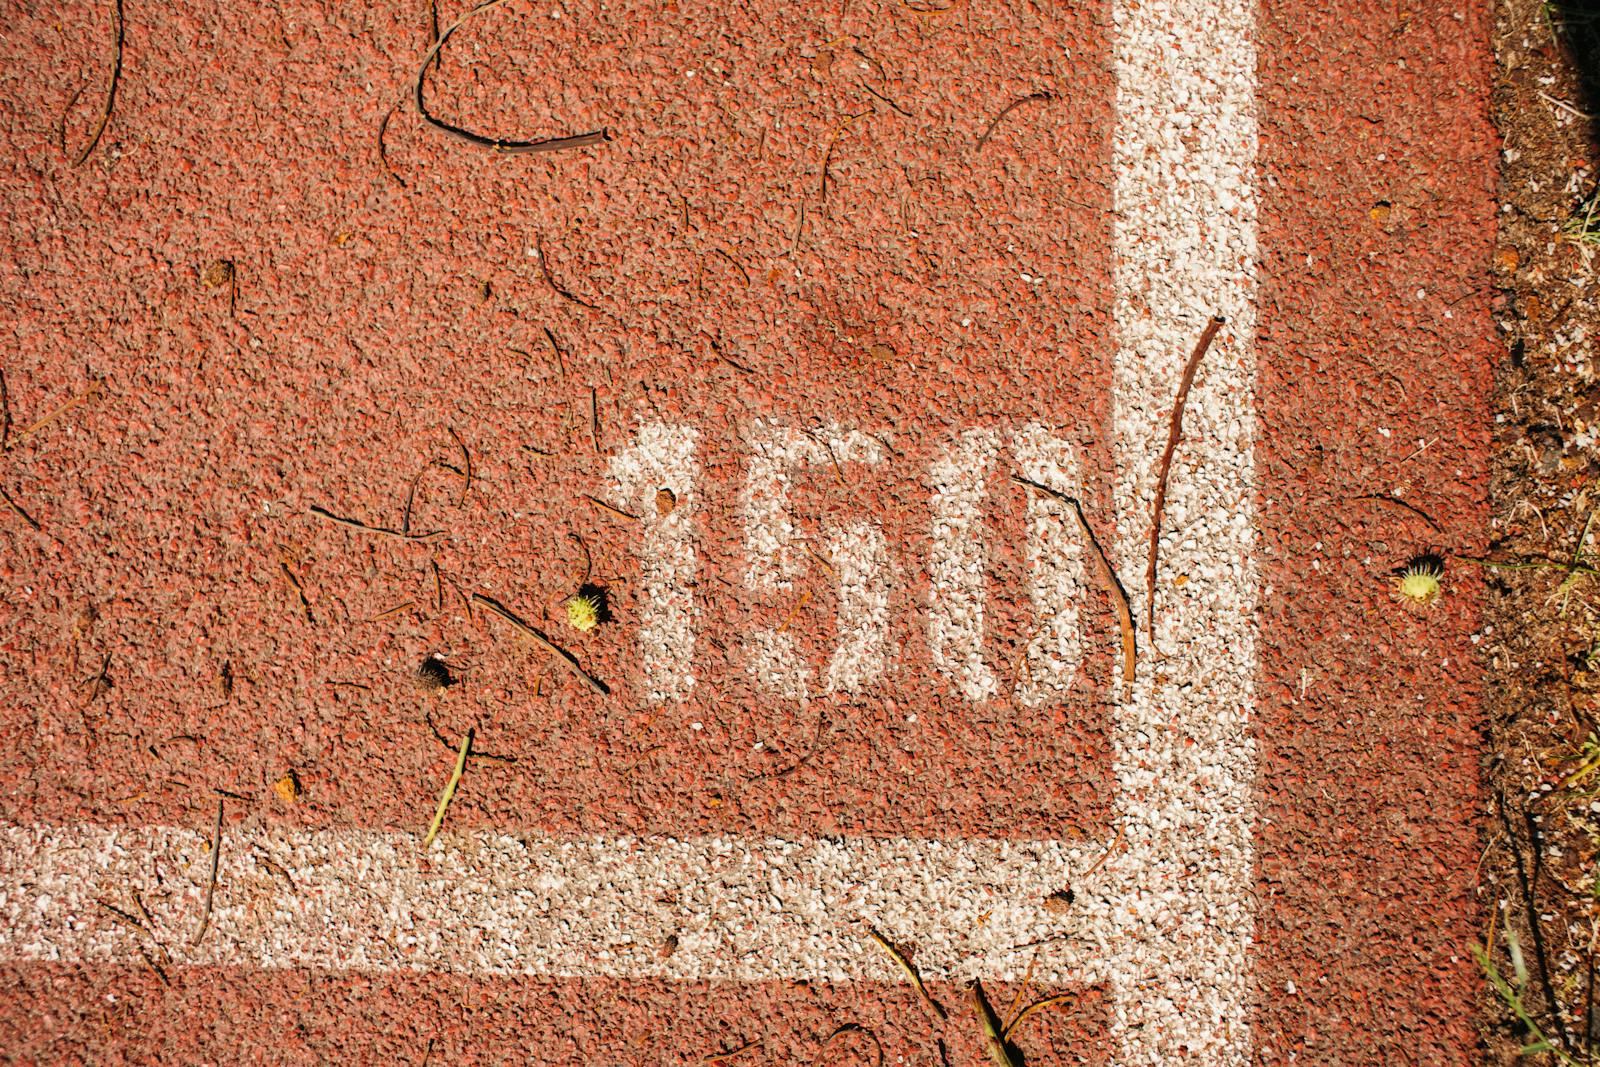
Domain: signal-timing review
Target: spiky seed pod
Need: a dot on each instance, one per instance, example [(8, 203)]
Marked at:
[(1420, 582), (583, 612)]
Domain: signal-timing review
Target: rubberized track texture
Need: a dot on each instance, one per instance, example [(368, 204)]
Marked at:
[(301, 392)]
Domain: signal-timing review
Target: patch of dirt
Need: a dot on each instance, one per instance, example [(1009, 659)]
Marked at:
[(1540, 884)]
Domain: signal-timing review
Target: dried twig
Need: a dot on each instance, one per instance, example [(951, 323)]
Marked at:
[(989, 130), (154, 966), (1110, 851), (433, 31), (597, 502), (5, 412), (299, 590), (111, 84), (82, 398), (383, 151), (122, 917), (449, 790), (1174, 429), (1384, 498), (852, 1028), (1108, 577), (466, 459), (909, 971), (550, 144), (827, 156), (211, 881), (566, 658), (397, 609), (550, 279), (723, 1057), (555, 348), (98, 683), (23, 515), (271, 866), (594, 418), (382, 530)]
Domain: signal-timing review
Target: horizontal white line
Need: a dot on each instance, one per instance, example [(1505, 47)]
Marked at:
[(742, 909)]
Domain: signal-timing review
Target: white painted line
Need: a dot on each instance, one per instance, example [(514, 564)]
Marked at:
[(958, 562), (742, 909), (1055, 568), (1185, 235), (663, 457)]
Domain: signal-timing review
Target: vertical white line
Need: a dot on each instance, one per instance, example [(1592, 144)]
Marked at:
[(957, 562), (1185, 247), (1055, 568), (663, 457)]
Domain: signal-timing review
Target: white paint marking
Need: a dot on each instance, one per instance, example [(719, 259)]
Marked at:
[(1185, 246), (742, 909), (958, 562), (777, 554), (663, 457), (864, 648), (1055, 568), (1166, 923)]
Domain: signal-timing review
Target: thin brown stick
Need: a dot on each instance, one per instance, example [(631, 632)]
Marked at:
[(5, 412), (154, 966), (594, 418), (722, 1057), (1383, 498), (100, 682), (299, 590), (111, 84), (1108, 577), (449, 790), (1174, 430), (66, 112), (566, 658), (550, 144), (122, 917), (381, 530), (397, 609), (466, 459), (561, 364), (989, 130), (211, 882), (1110, 851), (799, 228), (827, 156), (60, 410), (273, 867), (725, 254), (383, 150), (555, 286), (23, 515), (433, 31), (601, 504), (851, 1028)]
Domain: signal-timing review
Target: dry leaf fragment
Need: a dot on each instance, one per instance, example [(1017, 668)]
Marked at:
[(287, 787)]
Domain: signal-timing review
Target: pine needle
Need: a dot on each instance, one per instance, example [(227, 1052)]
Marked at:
[(910, 972), (1038, 1005), (449, 790)]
